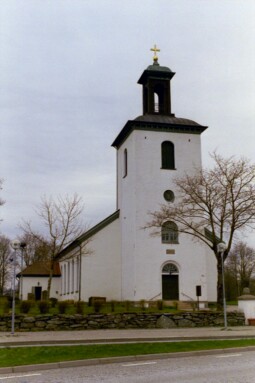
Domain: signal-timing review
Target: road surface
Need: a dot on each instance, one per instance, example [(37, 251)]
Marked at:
[(238, 367)]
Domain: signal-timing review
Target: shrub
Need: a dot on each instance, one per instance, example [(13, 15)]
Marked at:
[(80, 307), (44, 307), (160, 305), (44, 295), (9, 298), (6, 307), (113, 303), (53, 302), (97, 306), (143, 304), (9, 301), (62, 306), (25, 306), (127, 305), (4, 304)]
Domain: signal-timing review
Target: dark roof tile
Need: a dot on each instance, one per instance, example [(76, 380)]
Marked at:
[(41, 269)]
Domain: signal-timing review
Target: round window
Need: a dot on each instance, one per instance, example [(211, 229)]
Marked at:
[(169, 195)]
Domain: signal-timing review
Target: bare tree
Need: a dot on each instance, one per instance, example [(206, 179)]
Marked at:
[(5, 262), (212, 205), (61, 218), (37, 248), (241, 265)]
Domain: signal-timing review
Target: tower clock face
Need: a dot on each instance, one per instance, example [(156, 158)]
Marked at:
[(169, 195)]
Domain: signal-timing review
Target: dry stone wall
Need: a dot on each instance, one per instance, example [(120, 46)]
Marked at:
[(119, 321)]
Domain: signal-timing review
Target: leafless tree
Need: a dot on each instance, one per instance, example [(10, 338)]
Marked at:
[(241, 265), (212, 205), (61, 218), (5, 263), (36, 249)]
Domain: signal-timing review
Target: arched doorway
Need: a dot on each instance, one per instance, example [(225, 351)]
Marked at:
[(170, 282)]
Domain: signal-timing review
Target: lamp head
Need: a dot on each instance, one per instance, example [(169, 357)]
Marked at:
[(221, 247)]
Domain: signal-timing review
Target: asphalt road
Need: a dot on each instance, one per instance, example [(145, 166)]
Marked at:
[(238, 367)]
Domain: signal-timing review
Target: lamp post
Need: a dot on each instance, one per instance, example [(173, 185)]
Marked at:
[(221, 249), (22, 246), (15, 245)]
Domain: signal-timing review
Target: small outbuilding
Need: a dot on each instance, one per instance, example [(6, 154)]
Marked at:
[(34, 280)]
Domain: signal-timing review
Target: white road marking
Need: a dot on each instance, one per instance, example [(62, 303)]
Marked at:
[(19, 376), (228, 355), (137, 364)]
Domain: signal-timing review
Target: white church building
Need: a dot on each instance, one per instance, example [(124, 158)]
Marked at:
[(124, 261)]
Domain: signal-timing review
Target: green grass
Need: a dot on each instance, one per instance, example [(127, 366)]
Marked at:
[(44, 354)]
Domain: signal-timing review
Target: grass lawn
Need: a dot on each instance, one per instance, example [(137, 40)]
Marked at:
[(18, 356)]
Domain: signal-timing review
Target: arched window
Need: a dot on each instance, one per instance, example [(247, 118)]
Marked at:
[(62, 280), (72, 276), (156, 103), (68, 278), (169, 232), (125, 163), (167, 155), (158, 98), (170, 268), (78, 266), (64, 292)]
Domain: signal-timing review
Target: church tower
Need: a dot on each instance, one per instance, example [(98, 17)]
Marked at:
[(152, 150)]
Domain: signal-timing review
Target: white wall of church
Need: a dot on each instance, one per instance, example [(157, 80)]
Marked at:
[(142, 191), (70, 276), (101, 268), (211, 267)]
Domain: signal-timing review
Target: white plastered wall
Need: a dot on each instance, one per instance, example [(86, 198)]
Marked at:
[(30, 282), (142, 191), (69, 266), (101, 268)]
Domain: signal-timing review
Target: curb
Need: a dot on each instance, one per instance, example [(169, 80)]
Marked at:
[(119, 359)]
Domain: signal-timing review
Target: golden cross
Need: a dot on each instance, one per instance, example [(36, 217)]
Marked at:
[(155, 50)]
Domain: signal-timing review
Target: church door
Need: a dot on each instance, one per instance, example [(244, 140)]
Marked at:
[(170, 282), (38, 293)]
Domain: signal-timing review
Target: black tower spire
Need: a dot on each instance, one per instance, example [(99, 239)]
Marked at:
[(156, 88)]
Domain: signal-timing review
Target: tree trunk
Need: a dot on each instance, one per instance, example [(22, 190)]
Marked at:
[(50, 277)]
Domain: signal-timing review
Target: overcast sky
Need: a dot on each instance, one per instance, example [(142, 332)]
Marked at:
[(68, 84)]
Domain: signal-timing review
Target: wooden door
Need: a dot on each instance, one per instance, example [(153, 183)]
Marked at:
[(170, 287)]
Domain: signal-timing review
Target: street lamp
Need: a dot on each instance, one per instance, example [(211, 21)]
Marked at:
[(22, 247), (221, 249), (15, 245)]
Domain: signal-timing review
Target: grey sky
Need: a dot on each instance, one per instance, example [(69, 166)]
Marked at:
[(68, 73)]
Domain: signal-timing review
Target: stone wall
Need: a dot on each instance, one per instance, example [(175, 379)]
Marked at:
[(119, 321)]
